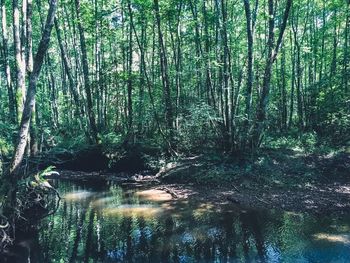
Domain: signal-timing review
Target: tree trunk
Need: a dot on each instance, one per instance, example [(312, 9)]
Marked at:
[(250, 20), (72, 87), (209, 82), (20, 85), (283, 92), (30, 98), (346, 50), (271, 57), (85, 65), (29, 56), (197, 64), (7, 69), (130, 61), (165, 76)]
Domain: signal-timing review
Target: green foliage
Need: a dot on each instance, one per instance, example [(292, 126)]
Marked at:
[(7, 132), (200, 127), (307, 142), (111, 141), (71, 143), (201, 92), (37, 180)]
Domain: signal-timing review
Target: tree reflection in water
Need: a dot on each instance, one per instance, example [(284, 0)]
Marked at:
[(112, 224)]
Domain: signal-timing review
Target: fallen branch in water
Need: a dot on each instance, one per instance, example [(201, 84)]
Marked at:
[(265, 202), (169, 191)]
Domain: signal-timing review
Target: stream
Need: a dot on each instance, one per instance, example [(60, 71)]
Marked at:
[(106, 222)]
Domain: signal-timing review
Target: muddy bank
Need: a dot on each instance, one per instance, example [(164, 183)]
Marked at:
[(286, 180), (316, 199), (334, 199)]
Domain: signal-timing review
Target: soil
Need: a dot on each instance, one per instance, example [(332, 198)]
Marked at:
[(288, 181), (316, 199), (334, 199)]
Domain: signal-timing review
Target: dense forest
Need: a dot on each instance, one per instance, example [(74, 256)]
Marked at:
[(170, 78), (185, 75)]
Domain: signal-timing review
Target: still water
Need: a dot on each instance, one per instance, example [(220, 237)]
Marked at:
[(112, 223)]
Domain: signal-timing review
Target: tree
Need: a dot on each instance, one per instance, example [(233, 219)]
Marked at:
[(185, 75), (20, 65), (7, 69), (85, 66), (164, 72), (271, 57), (30, 97)]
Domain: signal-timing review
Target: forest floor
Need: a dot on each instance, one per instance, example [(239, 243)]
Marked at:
[(276, 179), (287, 180)]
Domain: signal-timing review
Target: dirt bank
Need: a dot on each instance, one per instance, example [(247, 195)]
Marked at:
[(286, 180), (334, 198)]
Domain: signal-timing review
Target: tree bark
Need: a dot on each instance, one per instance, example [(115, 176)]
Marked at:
[(165, 76), (130, 61), (7, 69), (271, 57), (72, 87), (20, 74), (346, 50), (209, 82), (29, 56), (30, 98), (250, 20), (85, 65)]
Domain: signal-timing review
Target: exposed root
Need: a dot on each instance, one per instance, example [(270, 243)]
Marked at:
[(5, 230)]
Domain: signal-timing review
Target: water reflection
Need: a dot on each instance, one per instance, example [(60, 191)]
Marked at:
[(154, 195), (77, 195), (146, 211), (112, 224)]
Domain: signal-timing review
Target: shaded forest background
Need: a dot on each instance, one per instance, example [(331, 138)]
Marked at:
[(185, 76)]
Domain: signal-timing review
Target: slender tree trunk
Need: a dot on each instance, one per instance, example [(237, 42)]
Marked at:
[(226, 70), (250, 20), (85, 65), (30, 98), (165, 77), (29, 68), (209, 82), (250, 58), (346, 50), (149, 82), (72, 87), (7, 69), (299, 91), (20, 85), (142, 69), (197, 64), (283, 92), (53, 93), (29, 56), (291, 105), (271, 57), (130, 62)]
